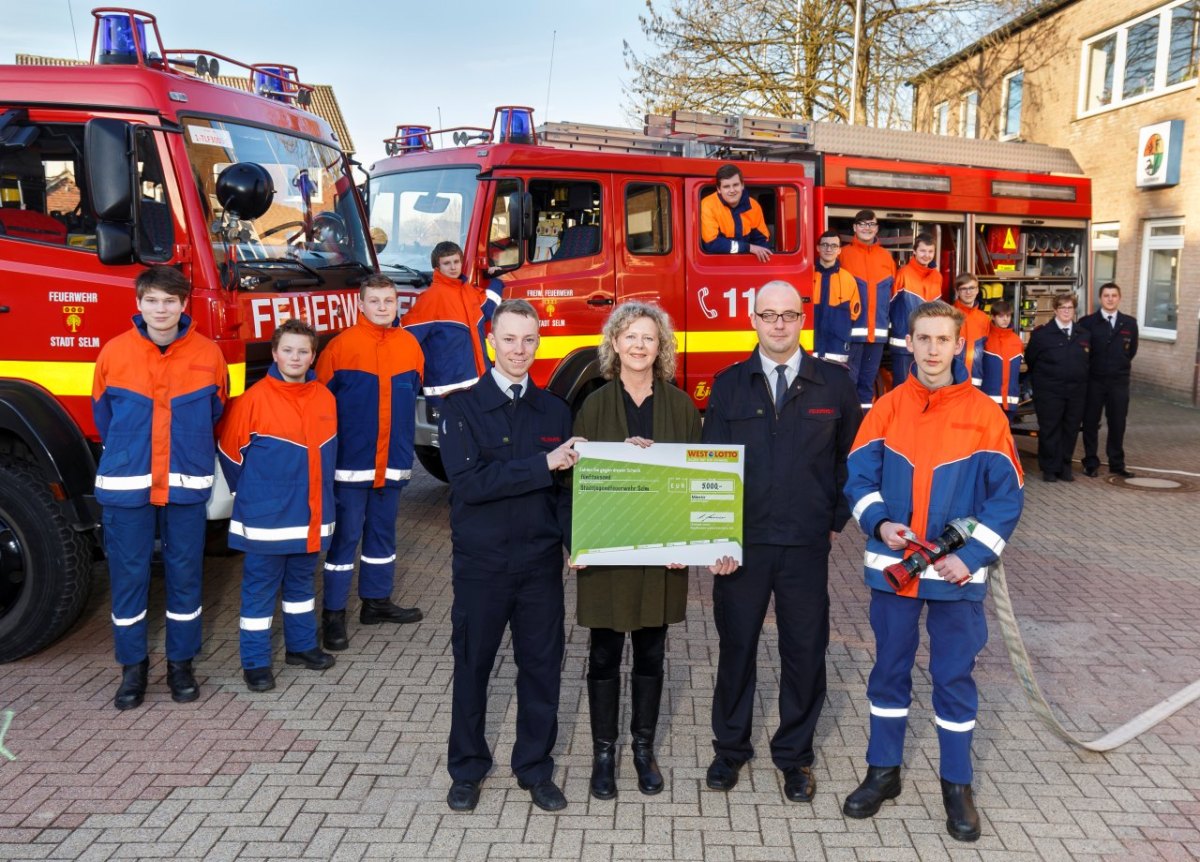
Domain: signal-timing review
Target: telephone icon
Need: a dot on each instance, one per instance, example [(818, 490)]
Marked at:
[(701, 294)]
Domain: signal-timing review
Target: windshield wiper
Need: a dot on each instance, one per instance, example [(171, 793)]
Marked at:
[(314, 278), (417, 274)]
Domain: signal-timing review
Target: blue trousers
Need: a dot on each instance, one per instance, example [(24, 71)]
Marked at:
[(369, 515), (263, 575), (902, 361), (864, 368), (957, 634), (531, 604), (129, 545)]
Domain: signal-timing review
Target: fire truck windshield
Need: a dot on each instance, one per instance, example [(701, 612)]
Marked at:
[(313, 221), (412, 212)]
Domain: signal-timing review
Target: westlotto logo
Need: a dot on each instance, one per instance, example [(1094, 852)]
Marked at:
[(726, 456)]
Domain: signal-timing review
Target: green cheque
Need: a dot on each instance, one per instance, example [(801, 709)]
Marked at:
[(669, 503)]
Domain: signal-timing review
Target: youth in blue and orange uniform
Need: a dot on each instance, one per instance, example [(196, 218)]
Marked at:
[(835, 304), (155, 409), (374, 373), (1001, 368), (732, 230), (875, 271), (924, 458), (278, 449), (915, 284), (449, 320), (975, 329)]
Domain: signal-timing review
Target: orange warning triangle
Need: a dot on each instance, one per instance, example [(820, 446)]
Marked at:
[(1010, 244)]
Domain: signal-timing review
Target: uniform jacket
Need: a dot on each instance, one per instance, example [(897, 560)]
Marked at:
[(924, 458), (1113, 347), (1001, 367), (1056, 362), (915, 284), (628, 598), (155, 411), (795, 461), (875, 271), (835, 304), (975, 329), (508, 512), (448, 320), (278, 449), (731, 230), (374, 372)]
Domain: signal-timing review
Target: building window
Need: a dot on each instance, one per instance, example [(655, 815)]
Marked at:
[(1104, 253), (1142, 58), (1158, 298), (970, 115), (941, 118), (1014, 86)]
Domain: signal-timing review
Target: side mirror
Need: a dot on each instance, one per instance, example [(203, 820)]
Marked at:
[(520, 215), (114, 243), (108, 154), (245, 190)]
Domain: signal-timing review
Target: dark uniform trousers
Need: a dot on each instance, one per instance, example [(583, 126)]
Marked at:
[(1110, 396), (1059, 415), (798, 577)]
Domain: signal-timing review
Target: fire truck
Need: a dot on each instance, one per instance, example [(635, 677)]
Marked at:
[(578, 218), (141, 157)]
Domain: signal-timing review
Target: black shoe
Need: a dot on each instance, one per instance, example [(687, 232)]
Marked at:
[(376, 611), (1123, 473), (545, 795), (646, 699), (1049, 477), (132, 690), (962, 820), (313, 659), (463, 795), (881, 783), (799, 785), (333, 630), (722, 773), (603, 706), (258, 678), (1066, 476), (1091, 472), (182, 681)]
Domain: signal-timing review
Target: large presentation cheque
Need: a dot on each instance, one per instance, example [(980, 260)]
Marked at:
[(670, 503)]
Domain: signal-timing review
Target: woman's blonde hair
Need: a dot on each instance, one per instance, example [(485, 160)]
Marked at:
[(621, 319)]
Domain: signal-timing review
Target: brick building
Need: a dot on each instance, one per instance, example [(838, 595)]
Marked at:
[(1115, 82)]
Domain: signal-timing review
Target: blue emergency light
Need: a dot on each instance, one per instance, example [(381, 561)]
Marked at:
[(516, 125), (117, 44), (273, 82), (415, 138)]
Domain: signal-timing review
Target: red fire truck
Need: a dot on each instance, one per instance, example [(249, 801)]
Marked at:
[(579, 218), (141, 157)]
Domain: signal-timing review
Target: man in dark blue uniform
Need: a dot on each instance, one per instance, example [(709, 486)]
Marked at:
[(1114, 344), (797, 417), (1057, 357), (502, 442)]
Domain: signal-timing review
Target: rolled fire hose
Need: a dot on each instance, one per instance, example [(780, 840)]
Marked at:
[(1024, 670)]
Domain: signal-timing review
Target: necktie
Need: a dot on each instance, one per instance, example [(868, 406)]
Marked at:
[(515, 392), (1112, 321), (780, 386)]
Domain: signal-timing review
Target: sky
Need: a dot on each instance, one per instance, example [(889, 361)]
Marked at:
[(390, 63)]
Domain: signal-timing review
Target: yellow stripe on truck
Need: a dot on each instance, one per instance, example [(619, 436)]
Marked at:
[(68, 379), (726, 341)]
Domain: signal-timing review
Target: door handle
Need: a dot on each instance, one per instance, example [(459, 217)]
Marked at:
[(600, 300)]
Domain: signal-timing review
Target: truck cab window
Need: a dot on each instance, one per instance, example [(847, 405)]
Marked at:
[(648, 218), (41, 194), (567, 218), (767, 198), (502, 249)]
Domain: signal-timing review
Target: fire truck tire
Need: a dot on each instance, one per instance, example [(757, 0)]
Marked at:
[(45, 566), (431, 459)]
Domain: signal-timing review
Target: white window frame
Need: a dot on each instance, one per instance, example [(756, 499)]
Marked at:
[(1121, 31), (1005, 89), (1149, 244), (941, 118), (1103, 239), (969, 128)]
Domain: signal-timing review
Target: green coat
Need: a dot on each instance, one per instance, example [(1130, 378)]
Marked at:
[(627, 598)]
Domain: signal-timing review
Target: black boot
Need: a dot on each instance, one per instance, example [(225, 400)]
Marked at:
[(182, 681), (132, 690), (375, 611), (881, 783), (962, 820), (604, 704), (333, 630), (647, 696)]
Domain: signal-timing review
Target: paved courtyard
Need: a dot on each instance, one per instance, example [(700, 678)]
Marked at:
[(350, 764)]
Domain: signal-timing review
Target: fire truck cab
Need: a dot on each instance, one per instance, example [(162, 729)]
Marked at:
[(144, 156)]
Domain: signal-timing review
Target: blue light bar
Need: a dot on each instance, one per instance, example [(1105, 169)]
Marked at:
[(117, 45), (415, 138), (516, 126), (271, 82)]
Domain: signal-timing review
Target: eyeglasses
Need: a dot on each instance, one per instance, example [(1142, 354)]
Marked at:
[(772, 316), (968, 289), (829, 245), (866, 224)]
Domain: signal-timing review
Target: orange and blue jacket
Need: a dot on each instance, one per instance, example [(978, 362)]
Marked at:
[(374, 373), (924, 458), (278, 448), (1002, 367), (449, 321), (915, 285), (875, 271), (976, 326), (732, 230), (835, 305), (155, 410)]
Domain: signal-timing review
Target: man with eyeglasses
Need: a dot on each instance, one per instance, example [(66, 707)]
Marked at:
[(875, 271), (835, 302), (797, 417)]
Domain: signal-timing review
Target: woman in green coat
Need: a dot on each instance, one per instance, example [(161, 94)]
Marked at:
[(639, 405)]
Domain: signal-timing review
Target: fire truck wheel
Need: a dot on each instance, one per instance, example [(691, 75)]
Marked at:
[(45, 566), (431, 459)]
